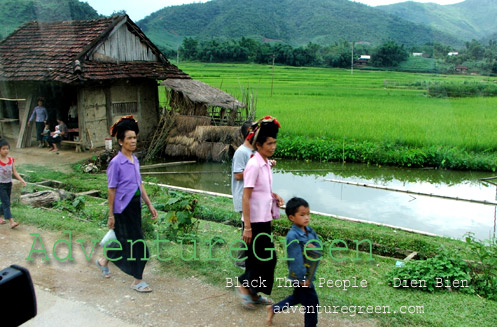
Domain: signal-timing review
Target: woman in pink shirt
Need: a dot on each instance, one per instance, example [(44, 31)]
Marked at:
[(257, 204)]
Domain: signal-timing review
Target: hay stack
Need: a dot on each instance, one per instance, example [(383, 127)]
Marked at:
[(187, 124), (181, 140), (177, 150), (224, 134), (203, 151), (194, 137), (220, 152)]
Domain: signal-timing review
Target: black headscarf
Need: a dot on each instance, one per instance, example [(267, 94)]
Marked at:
[(126, 123), (263, 128)]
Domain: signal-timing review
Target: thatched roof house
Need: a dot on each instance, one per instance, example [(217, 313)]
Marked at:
[(195, 98), (102, 68)]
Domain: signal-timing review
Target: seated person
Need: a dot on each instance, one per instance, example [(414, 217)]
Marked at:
[(57, 136)]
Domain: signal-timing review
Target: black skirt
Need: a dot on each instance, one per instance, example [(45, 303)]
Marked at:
[(128, 228), (259, 274)]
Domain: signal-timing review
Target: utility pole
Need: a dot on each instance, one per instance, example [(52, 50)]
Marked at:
[(352, 60), (352, 56), (272, 77)]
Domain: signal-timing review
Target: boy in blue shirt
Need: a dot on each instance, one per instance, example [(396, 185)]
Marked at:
[(301, 264)]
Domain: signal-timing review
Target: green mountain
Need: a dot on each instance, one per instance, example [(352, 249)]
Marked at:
[(471, 19), (14, 13), (296, 22)]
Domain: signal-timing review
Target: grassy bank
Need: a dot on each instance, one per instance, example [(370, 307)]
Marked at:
[(333, 106), (217, 230)]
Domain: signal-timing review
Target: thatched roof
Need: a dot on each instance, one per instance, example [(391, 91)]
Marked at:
[(200, 92)]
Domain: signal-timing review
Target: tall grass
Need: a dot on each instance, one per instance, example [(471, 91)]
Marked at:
[(337, 105)]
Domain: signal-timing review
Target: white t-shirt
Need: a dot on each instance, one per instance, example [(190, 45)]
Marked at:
[(240, 159)]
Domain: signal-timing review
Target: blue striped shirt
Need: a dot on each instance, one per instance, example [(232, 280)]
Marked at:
[(41, 114)]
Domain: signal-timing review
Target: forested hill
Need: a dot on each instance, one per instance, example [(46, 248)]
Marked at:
[(471, 19), (14, 13), (295, 22)]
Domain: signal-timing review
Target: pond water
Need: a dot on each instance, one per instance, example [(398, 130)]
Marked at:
[(429, 214)]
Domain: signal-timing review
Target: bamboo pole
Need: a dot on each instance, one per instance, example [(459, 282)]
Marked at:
[(191, 190), (182, 172), (488, 178), (492, 203), (167, 164)]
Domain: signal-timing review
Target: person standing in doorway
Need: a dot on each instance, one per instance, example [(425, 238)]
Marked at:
[(40, 116)]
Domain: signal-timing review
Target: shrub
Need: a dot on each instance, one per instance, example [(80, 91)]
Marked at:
[(178, 221), (484, 270), (447, 265)]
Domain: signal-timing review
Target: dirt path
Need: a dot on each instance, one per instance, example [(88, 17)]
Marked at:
[(41, 156), (75, 293)]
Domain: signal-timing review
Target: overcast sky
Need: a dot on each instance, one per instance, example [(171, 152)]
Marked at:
[(138, 9)]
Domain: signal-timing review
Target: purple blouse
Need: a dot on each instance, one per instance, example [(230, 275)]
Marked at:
[(125, 177)]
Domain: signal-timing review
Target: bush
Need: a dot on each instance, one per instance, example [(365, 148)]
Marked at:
[(484, 270), (177, 216), (465, 89), (447, 265)]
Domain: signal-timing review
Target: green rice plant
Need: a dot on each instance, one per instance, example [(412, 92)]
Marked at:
[(334, 104)]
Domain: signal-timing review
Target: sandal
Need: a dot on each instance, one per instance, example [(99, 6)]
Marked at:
[(14, 225), (2, 221), (141, 287), (105, 270), (263, 300), (247, 301)]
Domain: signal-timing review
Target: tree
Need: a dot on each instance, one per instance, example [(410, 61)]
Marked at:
[(390, 54), (189, 48)]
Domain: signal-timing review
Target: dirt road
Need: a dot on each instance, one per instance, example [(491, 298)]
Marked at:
[(74, 293)]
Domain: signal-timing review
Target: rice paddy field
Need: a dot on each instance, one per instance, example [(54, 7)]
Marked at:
[(376, 106)]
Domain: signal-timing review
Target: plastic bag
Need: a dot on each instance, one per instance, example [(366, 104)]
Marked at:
[(110, 236)]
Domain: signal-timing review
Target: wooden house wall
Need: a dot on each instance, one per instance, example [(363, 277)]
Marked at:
[(10, 129), (140, 95), (95, 109), (92, 114), (123, 45)]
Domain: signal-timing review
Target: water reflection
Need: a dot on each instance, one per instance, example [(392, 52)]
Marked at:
[(434, 215)]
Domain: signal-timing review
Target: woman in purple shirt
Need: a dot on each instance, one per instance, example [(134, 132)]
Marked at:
[(125, 191), (258, 212)]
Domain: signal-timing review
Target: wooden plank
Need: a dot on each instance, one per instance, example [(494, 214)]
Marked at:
[(23, 128), (92, 192), (71, 142), (167, 164), (410, 256), (7, 99)]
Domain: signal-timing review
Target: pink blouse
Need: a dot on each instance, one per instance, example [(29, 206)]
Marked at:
[(257, 175)]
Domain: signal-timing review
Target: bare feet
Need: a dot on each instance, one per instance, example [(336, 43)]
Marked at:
[(270, 314)]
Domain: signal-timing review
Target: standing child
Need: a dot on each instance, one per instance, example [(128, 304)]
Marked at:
[(301, 264), (7, 169), (45, 135)]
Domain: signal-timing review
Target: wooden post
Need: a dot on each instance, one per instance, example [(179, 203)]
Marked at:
[(24, 138)]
